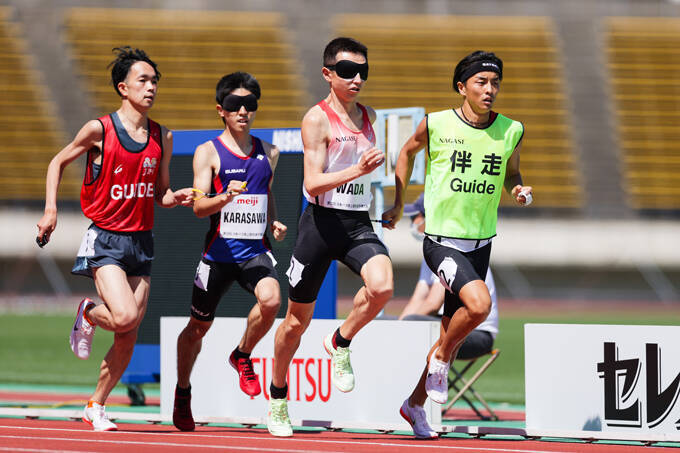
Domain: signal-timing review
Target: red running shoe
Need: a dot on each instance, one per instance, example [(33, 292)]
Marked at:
[(181, 413), (247, 379)]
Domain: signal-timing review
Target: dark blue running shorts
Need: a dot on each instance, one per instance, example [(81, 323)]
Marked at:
[(131, 251)]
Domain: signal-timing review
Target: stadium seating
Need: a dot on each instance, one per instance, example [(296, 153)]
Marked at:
[(412, 58), (643, 74), (30, 131), (193, 49)]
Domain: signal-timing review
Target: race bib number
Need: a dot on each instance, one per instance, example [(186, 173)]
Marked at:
[(244, 217), (354, 195)]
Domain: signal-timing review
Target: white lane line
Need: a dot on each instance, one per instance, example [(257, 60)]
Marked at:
[(410, 443), (40, 450), (164, 444)]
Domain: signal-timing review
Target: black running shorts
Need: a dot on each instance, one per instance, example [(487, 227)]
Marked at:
[(213, 279), (455, 269), (131, 251), (326, 234)]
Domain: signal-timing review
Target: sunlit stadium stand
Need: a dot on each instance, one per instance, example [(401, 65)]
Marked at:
[(30, 132), (412, 58), (643, 55), (193, 49)]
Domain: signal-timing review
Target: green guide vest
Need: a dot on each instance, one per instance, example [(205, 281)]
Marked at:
[(465, 173)]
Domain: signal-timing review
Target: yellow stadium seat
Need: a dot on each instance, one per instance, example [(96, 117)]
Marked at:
[(647, 110), (30, 131), (193, 50)]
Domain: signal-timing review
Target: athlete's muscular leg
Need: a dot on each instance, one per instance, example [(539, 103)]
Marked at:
[(189, 345), (476, 306), (419, 395), (117, 359), (477, 303), (372, 297), (287, 339), (121, 310), (262, 315)]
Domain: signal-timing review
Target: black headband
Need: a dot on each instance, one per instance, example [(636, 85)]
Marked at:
[(481, 66)]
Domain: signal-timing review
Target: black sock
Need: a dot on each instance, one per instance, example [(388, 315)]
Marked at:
[(340, 341), (179, 391), (278, 392), (238, 354)]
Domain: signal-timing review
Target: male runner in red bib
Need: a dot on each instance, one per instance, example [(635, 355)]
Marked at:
[(240, 168), (128, 157), (339, 156)]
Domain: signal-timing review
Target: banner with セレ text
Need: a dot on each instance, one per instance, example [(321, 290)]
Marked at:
[(387, 357), (603, 381)]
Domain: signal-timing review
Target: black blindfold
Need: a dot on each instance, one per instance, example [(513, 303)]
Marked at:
[(233, 103), (347, 69)]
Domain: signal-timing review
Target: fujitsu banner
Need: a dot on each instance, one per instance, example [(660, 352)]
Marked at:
[(603, 382), (387, 356)]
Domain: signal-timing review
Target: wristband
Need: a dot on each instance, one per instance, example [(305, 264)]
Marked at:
[(527, 197)]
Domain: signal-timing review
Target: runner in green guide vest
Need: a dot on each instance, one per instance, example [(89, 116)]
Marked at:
[(472, 154)]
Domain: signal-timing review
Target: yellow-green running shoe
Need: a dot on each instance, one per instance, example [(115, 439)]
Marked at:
[(342, 374), (278, 422)]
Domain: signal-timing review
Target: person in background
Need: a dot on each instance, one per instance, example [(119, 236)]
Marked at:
[(427, 301)]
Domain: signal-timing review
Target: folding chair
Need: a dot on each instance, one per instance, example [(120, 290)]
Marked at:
[(463, 386)]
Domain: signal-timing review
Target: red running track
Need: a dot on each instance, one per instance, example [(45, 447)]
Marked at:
[(22, 435)]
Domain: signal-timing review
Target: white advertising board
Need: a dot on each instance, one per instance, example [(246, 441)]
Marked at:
[(603, 381), (387, 357)]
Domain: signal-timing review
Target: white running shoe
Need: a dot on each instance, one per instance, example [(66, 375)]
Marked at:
[(416, 417), (278, 422), (437, 383), (342, 374), (95, 416), (82, 332)]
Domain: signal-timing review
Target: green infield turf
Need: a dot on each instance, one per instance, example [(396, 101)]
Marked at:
[(34, 348)]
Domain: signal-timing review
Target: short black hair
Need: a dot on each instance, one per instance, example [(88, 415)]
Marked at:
[(342, 44), (474, 57), (234, 81), (126, 56)]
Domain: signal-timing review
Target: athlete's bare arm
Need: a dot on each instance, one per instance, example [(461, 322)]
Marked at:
[(513, 177), (316, 135), (206, 165), (425, 299), (402, 172), (163, 194), (89, 136), (277, 228), (371, 114), (272, 153)]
